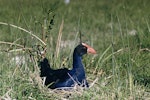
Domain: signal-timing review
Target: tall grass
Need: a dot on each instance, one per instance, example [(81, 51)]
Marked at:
[(118, 30)]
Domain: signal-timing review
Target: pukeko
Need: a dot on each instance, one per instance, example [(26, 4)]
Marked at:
[(64, 77)]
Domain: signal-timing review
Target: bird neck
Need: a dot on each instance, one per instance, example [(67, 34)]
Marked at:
[(77, 61)]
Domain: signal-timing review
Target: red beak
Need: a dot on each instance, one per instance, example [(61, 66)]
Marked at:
[(89, 49)]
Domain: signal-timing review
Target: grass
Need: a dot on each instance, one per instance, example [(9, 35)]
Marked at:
[(118, 30)]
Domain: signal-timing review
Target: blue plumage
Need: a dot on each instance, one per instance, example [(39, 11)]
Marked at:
[(64, 77)]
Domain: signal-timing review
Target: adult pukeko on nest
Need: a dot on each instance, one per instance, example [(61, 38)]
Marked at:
[(64, 77)]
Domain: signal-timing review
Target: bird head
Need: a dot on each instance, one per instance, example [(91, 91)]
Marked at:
[(83, 48)]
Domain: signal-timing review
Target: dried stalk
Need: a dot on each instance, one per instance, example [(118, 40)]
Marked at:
[(20, 28), (59, 39)]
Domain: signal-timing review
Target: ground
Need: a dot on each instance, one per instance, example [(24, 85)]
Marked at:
[(119, 30)]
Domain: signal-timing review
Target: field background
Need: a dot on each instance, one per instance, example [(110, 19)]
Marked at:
[(119, 30)]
